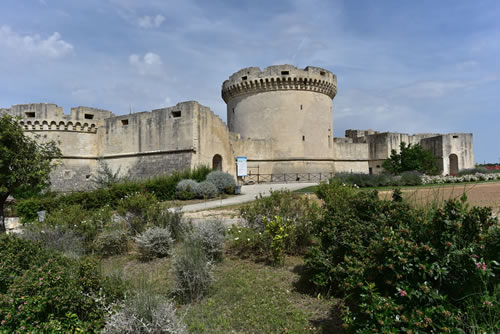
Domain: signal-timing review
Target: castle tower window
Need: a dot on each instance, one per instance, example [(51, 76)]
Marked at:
[(285, 72), (89, 116), (176, 113), (322, 73), (233, 110), (301, 107), (244, 78), (30, 114), (455, 136), (124, 122), (303, 138)]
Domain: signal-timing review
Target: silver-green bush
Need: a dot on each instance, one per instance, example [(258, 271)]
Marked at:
[(206, 189), (111, 242), (192, 271), (186, 189), (62, 239), (145, 313), (211, 236), (224, 182), (162, 216), (154, 242)]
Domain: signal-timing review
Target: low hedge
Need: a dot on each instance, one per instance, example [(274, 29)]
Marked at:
[(163, 187)]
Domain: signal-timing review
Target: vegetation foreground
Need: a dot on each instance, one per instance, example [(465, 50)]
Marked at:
[(354, 263)]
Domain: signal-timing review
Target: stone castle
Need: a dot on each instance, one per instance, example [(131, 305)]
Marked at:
[(280, 119)]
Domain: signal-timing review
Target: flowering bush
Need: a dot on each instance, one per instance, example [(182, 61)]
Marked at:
[(295, 209), (246, 242), (400, 268), (278, 230), (439, 179), (41, 291)]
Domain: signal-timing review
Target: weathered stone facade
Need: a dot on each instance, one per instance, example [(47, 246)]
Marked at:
[(279, 118)]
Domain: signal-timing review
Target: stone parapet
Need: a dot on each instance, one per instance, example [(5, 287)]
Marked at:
[(252, 80)]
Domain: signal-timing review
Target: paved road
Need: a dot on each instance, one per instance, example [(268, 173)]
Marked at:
[(248, 194)]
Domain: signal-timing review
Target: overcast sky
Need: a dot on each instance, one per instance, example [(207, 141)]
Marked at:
[(407, 66)]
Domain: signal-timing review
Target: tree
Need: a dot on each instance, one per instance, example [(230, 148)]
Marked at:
[(411, 157), (25, 163), (105, 177)]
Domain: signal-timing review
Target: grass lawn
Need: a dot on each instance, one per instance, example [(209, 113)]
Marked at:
[(246, 297)]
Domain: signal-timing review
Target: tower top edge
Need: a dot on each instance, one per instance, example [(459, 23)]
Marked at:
[(281, 77)]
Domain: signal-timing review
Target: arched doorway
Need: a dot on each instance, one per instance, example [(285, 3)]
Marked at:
[(453, 164), (217, 162)]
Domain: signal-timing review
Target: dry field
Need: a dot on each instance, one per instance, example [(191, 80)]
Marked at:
[(482, 194)]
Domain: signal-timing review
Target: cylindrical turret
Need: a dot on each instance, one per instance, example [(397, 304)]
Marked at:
[(291, 107)]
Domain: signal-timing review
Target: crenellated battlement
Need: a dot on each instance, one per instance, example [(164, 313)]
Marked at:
[(252, 80), (44, 125)]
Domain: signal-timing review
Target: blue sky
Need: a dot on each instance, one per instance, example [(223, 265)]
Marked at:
[(408, 66)]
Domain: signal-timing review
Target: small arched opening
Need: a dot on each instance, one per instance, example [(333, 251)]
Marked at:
[(217, 162), (453, 164)]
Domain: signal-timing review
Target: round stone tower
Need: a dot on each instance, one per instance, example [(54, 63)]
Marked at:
[(291, 107)]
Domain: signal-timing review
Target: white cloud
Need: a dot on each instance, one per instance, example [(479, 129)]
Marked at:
[(149, 65), (148, 22), (52, 47)]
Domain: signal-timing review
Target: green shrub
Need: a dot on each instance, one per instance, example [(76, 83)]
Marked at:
[(411, 178), (206, 190), (296, 209), (59, 238), (186, 189), (278, 230), (247, 242), (87, 223), (43, 291), (111, 242), (211, 236), (162, 187), (192, 271), (160, 216), (402, 268), (224, 182), (366, 180), (154, 242)]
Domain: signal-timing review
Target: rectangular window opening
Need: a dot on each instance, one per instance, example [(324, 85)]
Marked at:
[(455, 136), (30, 114), (124, 121), (233, 110), (303, 138), (322, 73), (176, 113), (89, 116), (301, 107), (285, 72), (244, 78)]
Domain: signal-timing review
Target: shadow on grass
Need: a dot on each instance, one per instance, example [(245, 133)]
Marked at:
[(327, 324)]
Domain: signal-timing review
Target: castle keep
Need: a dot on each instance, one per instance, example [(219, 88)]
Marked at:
[(279, 118)]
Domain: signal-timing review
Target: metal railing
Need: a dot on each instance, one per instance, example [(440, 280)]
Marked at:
[(287, 177)]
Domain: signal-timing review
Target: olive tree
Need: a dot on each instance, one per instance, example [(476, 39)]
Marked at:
[(25, 163)]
